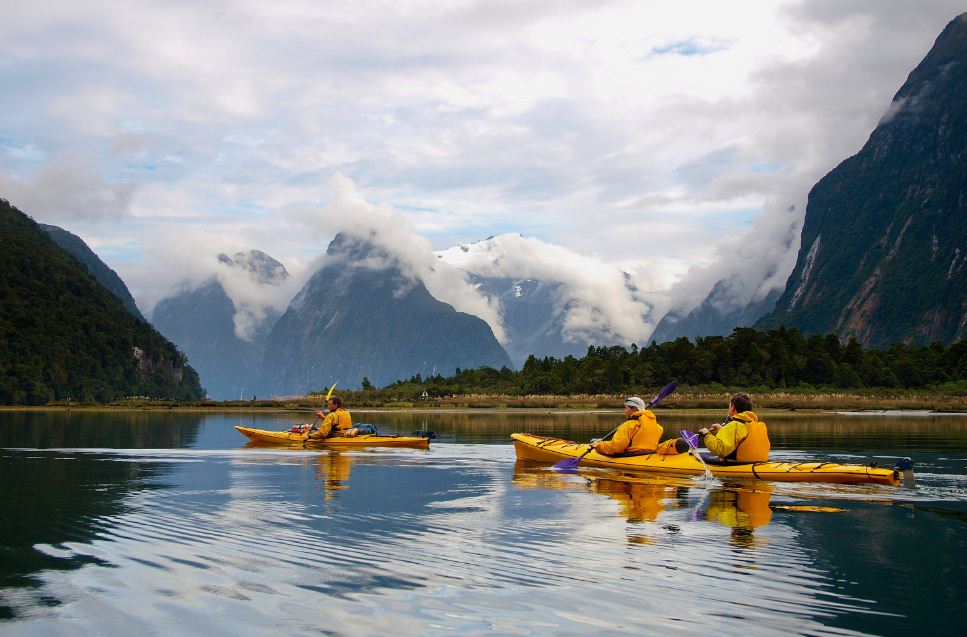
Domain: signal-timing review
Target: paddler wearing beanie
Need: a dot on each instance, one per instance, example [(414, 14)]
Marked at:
[(742, 438), (638, 435)]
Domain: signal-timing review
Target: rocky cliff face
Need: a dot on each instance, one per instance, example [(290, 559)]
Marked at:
[(884, 243), (205, 324), (64, 335), (361, 316), (98, 269)]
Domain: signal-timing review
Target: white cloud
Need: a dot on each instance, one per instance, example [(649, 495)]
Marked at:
[(68, 189), (654, 129), (348, 212), (598, 300)]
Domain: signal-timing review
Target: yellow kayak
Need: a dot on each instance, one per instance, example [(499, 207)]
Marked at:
[(544, 449), (295, 439)]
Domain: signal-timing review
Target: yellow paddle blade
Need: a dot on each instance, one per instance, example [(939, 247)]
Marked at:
[(329, 395)]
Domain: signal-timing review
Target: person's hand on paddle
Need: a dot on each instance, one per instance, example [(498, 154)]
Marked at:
[(711, 429)]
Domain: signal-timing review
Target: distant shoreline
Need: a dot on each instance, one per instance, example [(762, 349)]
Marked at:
[(867, 402)]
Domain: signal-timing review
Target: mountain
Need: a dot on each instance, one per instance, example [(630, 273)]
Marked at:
[(715, 316), (205, 323), (361, 316), (64, 335), (532, 313), (884, 241), (541, 315), (104, 275)]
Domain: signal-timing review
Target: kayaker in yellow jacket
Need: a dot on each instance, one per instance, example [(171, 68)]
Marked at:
[(337, 422), (743, 437), (639, 434)]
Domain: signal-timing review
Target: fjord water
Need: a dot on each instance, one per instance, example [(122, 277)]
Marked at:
[(167, 523)]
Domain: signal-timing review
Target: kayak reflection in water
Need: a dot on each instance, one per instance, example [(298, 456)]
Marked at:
[(641, 501), (742, 509), (333, 472), (742, 437), (644, 499), (337, 422)]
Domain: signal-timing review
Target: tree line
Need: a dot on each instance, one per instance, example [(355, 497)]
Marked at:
[(775, 359)]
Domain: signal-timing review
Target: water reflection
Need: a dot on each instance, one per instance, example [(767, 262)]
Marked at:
[(333, 471), (743, 506), (98, 429), (54, 505), (184, 524)]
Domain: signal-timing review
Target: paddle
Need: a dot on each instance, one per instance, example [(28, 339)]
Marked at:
[(572, 463), (305, 438), (692, 441)]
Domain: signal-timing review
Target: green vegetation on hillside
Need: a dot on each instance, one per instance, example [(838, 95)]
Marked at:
[(765, 360), (64, 336)]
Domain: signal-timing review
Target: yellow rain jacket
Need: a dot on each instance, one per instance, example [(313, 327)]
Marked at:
[(336, 423), (639, 434), (743, 439)]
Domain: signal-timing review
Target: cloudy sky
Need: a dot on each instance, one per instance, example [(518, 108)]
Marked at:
[(653, 136)]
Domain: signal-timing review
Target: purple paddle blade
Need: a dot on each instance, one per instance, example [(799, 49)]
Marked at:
[(568, 464), (690, 438)]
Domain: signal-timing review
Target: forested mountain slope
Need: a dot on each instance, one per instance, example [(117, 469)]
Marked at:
[(63, 335)]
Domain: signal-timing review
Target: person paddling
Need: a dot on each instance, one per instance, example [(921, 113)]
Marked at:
[(742, 437), (638, 435), (337, 423)]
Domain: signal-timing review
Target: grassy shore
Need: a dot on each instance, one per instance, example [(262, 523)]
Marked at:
[(865, 400)]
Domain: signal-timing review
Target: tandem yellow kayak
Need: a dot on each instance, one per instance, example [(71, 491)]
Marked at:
[(544, 449), (295, 439)]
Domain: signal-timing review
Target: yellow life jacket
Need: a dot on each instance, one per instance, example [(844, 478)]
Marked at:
[(755, 446), (640, 433), (340, 420), (648, 434)]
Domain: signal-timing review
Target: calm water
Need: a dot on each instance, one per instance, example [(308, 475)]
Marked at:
[(167, 524)]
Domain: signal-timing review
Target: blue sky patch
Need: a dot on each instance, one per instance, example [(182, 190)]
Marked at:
[(689, 48)]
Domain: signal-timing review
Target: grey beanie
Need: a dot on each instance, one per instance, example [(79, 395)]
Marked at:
[(635, 403)]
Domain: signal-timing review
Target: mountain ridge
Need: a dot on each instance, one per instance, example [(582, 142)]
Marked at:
[(883, 249), (202, 321), (359, 316), (98, 269)]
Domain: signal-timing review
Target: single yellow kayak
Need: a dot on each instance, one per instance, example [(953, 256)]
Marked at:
[(294, 439), (544, 449)]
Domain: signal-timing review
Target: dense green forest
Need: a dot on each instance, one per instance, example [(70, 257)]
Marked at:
[(64, 336), (748, 358)]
